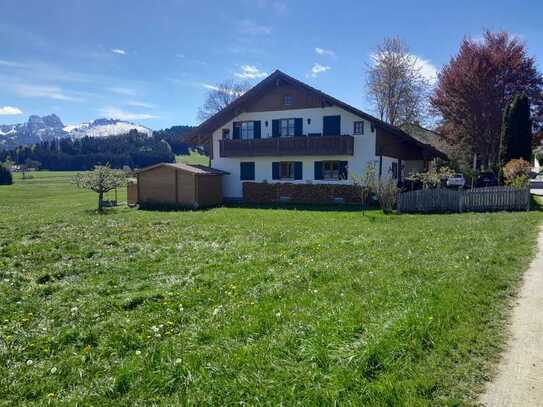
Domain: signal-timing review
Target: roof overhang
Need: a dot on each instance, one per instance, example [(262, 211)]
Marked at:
[(202, 134), (191, 168)]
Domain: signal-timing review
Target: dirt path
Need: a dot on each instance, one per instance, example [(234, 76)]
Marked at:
[(519, 381)]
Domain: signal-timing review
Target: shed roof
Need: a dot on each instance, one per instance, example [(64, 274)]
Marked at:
[(192, 168)]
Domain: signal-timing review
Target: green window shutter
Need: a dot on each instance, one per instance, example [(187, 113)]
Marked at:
[(275, 170), (299, 127), (331, 125), (298, 170), (256, 125), (237, 128), (247, 171), (343, 170), (275, 128), (318, 170)]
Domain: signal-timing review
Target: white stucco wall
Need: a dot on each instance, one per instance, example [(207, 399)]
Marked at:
[(364, 148)]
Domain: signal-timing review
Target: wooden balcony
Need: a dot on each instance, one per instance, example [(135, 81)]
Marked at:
[(288, 146)]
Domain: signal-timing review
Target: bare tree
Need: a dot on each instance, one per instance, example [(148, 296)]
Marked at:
[(220, 96), (396, 84)]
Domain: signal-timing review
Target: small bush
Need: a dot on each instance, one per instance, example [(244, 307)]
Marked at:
[(387, 194), (516, 173), (5, 176), (433, 178)]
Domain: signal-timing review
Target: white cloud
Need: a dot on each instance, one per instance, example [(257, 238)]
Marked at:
[(115, 113), (123, 91), (252, 28), (217, 88), (318, 69), (250, 72), (325, 52), (12, 64), (427, 69), (118, 51), (135, 103), (50, 92), (9, 111)]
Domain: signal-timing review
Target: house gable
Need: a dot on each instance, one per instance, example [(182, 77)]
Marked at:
[(274, 99), (268, 95)]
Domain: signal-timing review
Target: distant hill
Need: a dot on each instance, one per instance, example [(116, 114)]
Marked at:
[(47, 128), (175, 138), (135, 150)]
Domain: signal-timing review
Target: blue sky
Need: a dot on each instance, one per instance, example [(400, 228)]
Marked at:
[(152, 62)]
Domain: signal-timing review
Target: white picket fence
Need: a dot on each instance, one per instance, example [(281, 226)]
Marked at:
[(487, 199)]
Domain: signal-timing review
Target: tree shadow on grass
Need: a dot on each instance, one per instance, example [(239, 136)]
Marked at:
[(307, 207), (536, 203)]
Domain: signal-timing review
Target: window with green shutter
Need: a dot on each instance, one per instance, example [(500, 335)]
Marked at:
[(332, 170), (287, 170), (247, 171)]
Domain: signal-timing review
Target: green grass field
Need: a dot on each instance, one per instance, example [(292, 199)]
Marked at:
[(193, 158), (245, 306)]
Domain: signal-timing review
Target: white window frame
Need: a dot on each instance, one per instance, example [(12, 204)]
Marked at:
[(361, 123), (247, 130), (287, 127), (332, 174), (291, 170)]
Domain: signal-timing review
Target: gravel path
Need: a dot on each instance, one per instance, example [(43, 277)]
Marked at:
[(519, 381)]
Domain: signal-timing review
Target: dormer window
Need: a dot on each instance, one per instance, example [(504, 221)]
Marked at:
[(288, 100)]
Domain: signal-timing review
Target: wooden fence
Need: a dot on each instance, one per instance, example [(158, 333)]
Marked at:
[(472, 200)]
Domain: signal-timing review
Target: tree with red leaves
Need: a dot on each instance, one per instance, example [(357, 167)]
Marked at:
[(476, 86)]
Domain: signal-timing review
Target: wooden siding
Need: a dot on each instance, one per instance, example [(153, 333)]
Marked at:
[(186, 190), (132, 193), (390, 145), (157, 185), (474, 200), (288, 146), (178, 187), (208, 190), (272, 100)]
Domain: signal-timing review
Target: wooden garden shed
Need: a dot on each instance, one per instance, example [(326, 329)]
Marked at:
[(183, 185)]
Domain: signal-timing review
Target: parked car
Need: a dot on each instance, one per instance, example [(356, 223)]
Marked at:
[(486, 179), (456, 181)]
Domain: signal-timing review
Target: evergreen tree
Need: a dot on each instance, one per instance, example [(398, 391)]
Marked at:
[(5, 176), (516, 138)]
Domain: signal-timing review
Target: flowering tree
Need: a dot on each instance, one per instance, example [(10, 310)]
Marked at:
[(100, 180), (477, 85), (516, 173)]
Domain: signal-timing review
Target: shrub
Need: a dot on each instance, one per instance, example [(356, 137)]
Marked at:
[(5, 176), (516, 173), (433, 178), (385, 189), (387, 194)]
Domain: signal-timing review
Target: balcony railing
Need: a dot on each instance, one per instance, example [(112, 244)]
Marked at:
[(285, 146)]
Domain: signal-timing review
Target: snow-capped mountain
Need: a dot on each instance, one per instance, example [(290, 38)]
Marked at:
[(50, 127), (104, 128), (36, 129)]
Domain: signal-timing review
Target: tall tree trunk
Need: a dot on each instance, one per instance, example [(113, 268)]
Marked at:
[(100, 201)]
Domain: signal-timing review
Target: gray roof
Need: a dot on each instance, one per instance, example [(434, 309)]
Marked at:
[(192, 168)]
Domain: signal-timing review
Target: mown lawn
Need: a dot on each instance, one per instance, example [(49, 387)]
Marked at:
[(248, 306), (193, 157)]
